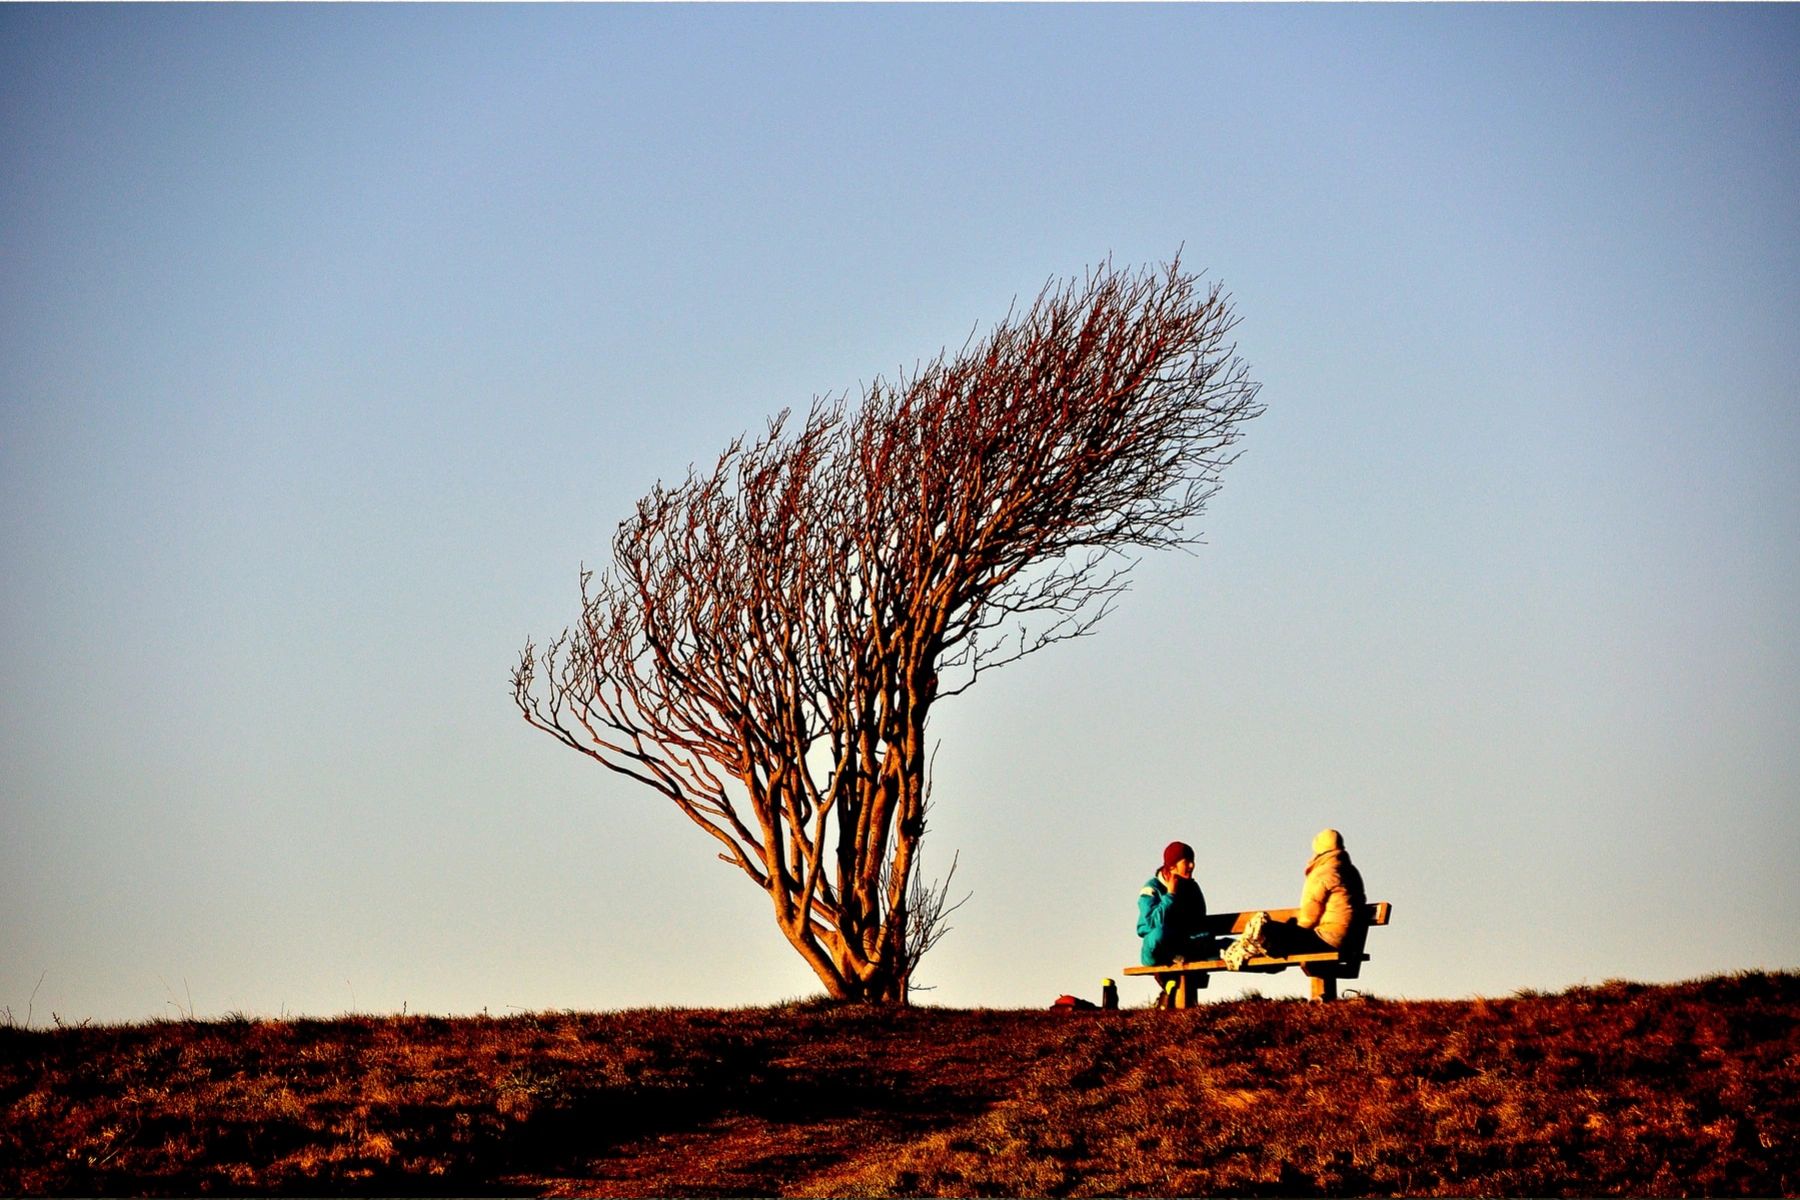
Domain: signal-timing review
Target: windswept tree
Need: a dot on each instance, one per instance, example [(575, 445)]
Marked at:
[(767, 645)]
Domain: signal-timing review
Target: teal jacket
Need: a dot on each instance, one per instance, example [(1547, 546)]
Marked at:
[(1168, 920)]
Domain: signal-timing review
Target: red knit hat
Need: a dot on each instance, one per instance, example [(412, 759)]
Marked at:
[(1174, 852)]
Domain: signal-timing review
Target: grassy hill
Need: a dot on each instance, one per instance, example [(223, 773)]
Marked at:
[(1649, 1090)]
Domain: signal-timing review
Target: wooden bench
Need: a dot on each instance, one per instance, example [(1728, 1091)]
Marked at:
[(1324, 969)]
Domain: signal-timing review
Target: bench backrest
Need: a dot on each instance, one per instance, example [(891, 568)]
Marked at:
[(1234, 922)]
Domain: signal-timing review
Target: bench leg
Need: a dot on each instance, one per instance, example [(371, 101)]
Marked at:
[(1324, 987), (1188, 994)]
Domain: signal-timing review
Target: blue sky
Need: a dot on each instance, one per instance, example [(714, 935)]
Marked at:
[(336, 339)]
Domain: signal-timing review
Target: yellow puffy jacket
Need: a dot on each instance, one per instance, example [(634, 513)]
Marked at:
[(1333, 894)]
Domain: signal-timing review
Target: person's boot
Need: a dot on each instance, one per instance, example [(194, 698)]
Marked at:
[(1249, 946)]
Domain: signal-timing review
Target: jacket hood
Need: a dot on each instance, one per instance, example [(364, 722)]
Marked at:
[(1319, 860), (1327, 839)]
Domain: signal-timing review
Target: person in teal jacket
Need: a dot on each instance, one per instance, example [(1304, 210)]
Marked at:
[(1171, 908)]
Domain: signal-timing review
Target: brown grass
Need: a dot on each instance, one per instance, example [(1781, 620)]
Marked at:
[(1622, 1089)]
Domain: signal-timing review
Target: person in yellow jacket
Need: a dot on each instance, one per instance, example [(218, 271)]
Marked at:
[(1329, 904), (1333, 894)]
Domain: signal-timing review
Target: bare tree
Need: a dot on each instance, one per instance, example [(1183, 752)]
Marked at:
[(773, 631)]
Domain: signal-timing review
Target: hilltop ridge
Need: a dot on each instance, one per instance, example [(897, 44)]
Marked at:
[(1669, 1089)]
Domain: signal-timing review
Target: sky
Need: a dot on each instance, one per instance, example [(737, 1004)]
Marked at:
[(334, 341)]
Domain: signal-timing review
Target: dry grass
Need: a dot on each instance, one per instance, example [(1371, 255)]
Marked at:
[(1621, 1089)]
